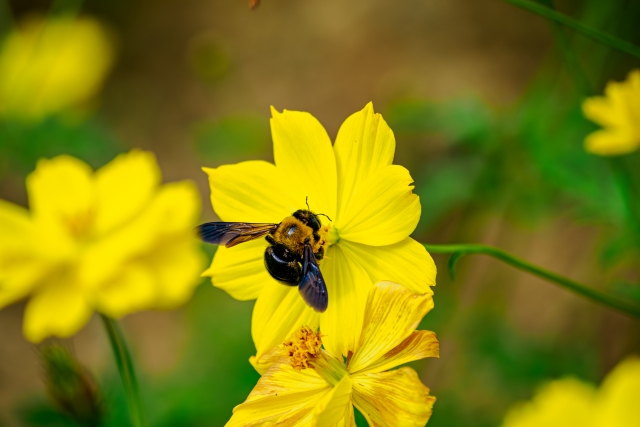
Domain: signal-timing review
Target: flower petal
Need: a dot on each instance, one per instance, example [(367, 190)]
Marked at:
[(617, 400), (393, 398), (564, 402), (418, 345), (132, 290), (611, 142), (406, 262), (302, 151), (20, 268), (392, 315), (58, 308), (254, 191), (279, 311), (347, 285), (62, 191), (383, 211), (124, 187), (335, 406), (283, 396), (240, 270), (364, 144)]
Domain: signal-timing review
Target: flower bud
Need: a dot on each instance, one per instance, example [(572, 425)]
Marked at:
[(70, 386)]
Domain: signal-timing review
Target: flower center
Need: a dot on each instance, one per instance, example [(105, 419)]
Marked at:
[(333, 236), (80, 224), (304, 349)]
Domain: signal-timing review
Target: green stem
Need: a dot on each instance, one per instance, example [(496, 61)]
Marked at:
[(570, 57), (595, 295), (592, 33), (127, 372)]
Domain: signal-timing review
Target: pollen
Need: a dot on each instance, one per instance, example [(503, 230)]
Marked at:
[(303, 347)]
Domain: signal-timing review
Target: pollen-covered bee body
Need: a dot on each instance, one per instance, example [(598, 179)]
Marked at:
[(297, 243), (297, 230)]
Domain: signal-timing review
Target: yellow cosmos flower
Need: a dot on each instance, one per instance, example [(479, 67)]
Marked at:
[(312, 386), (571, 402), (115, 241), (619, 113), (47, 66), (354, 183)]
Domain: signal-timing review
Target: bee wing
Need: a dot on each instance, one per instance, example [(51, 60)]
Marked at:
[(232, 233), (312, 286)]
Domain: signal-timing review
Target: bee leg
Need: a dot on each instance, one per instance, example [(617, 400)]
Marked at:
[(270, 239), (316, 236), (320, 254)]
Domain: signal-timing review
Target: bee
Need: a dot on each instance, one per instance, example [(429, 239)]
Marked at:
[(295, 247)]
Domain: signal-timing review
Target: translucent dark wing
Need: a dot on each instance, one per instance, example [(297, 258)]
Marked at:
[(232, 233), (312, 286)]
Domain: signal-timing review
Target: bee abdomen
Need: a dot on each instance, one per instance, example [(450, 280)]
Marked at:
[(282, 265)]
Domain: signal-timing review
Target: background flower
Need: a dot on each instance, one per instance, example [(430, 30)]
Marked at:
[(619, 113), (571, 402), (310, 386), (115, 241), (373, 211), (50, 65)]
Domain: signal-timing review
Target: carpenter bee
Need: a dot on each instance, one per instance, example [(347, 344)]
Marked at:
[(295, 247)]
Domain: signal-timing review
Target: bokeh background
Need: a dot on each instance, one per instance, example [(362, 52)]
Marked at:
[(484, 100)]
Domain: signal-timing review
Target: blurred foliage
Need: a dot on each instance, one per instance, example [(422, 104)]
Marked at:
[(22, 145)]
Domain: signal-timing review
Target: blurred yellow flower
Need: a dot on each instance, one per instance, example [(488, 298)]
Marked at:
[(571, 402), (115, 241), (50, 65), (354, 182), (619, 113), (311, 386)]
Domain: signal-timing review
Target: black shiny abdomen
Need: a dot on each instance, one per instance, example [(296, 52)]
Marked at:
[(282, 265)]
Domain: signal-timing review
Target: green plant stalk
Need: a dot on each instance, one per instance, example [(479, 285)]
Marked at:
[(583, 290), (570, 57), (127, 372), (592, 33)]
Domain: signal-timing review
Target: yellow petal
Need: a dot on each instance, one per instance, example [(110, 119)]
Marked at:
[(173, 210), (279, 311), (392, 315), (348, 286), (62, 194), (240, 270), (253, 191), (393, 398), (364, 144), (177, 267), (565, 402), (124, 187), (58, 308), (132, 290), (20, 267), (382, 211), (611, 142), (617, 401), (283, 396), (418, 345), (303, 153), (406, 262), (335, 406)]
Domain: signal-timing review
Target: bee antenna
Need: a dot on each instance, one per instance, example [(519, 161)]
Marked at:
[(326, 216), (306, 200)]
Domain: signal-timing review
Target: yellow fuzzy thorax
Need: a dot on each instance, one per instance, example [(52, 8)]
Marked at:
[(292, 233)]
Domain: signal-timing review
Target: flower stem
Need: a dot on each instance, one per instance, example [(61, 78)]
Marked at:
[(612, 301), (592, 33), (127, 372)]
